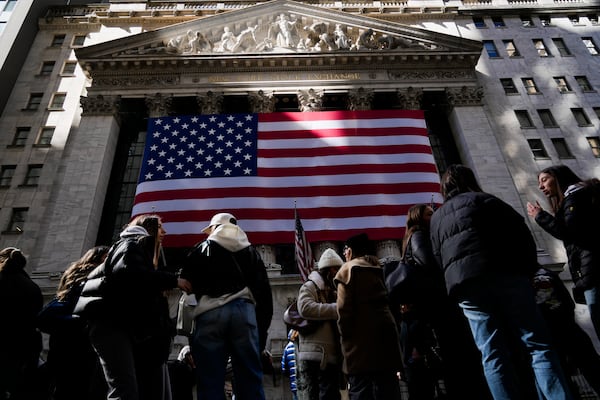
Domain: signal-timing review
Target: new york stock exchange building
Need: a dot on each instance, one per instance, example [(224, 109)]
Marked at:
[(504, 87)]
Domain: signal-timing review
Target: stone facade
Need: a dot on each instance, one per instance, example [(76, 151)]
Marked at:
[(130, 55)]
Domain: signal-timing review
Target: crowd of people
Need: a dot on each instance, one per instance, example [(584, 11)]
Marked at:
[(484, 320)]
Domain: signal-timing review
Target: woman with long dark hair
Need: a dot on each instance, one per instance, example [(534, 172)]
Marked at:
[(575, 219), (72, 362)]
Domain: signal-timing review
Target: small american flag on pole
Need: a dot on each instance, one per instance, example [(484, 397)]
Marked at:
[(347, 171), (304, 256)]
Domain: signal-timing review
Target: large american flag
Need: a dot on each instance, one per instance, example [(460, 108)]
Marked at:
[(347, 172)]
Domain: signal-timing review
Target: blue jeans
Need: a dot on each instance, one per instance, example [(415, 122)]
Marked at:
[(229, 330), (502, 306), (592, 299)]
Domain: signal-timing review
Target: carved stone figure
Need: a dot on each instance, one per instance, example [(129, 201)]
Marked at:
[(198, 43), (366, 41), (284, 32), (246, 40), (227, 40), (340, 38)]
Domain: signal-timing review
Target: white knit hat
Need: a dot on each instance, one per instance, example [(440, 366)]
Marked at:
[(329, 258)]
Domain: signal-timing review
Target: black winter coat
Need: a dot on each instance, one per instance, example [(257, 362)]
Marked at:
[(214, 271), (475, 234), (576, 223), (135, 296)]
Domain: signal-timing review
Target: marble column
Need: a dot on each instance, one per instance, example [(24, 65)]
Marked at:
[(410, 98), (262, 101), (158, 105)]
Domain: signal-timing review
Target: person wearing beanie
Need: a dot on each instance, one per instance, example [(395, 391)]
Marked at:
[(234, 311), (369, 337), (319, 356)]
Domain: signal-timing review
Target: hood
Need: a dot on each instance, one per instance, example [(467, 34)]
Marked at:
[(230, 236), (132, 231)]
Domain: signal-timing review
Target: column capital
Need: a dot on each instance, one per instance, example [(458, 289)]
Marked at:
[(410, 98), (360, 99), (262, 101), (100, 105), (210, 102), (465, 96), (158, 104), (310, 100)]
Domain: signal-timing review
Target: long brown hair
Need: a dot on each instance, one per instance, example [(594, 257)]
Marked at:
[(80, 269), (152, 223), (414, 222)]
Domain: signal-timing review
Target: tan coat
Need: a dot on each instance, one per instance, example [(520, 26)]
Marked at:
[(368, 332)]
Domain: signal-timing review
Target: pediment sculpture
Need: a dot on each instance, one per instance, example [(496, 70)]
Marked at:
[(281, 33)]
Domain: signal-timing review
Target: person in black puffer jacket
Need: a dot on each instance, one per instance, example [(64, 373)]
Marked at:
[(132, 331), (576, 208), (488, 256)]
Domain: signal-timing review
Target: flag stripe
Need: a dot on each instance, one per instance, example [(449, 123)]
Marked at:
[(347, 171)]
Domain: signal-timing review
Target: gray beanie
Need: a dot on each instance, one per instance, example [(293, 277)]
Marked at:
[(329, 258)]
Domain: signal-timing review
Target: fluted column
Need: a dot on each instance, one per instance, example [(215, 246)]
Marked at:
[(388, 250)]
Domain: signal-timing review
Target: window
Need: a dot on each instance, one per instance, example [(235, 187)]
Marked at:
[(547, 118), (563, 85), (47, 67), (78, 40), (10, 5), (541, 48), (581, 117), (490, 47), (58, 40), (479, 22), (594, 142), (562, 48), (45, 136), (34, 172), (511, 49), (57, 101), (584, 84), (20, 138), (6, 174), (69, 68), (561, 148), (509, 86), (537, 148), (593, 18), (530, 86), (590, 45), (17, 220), (597, 111), (574, 19), (526, 21), (35, 99), (545, 20), (498, 22), (524, 119)]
